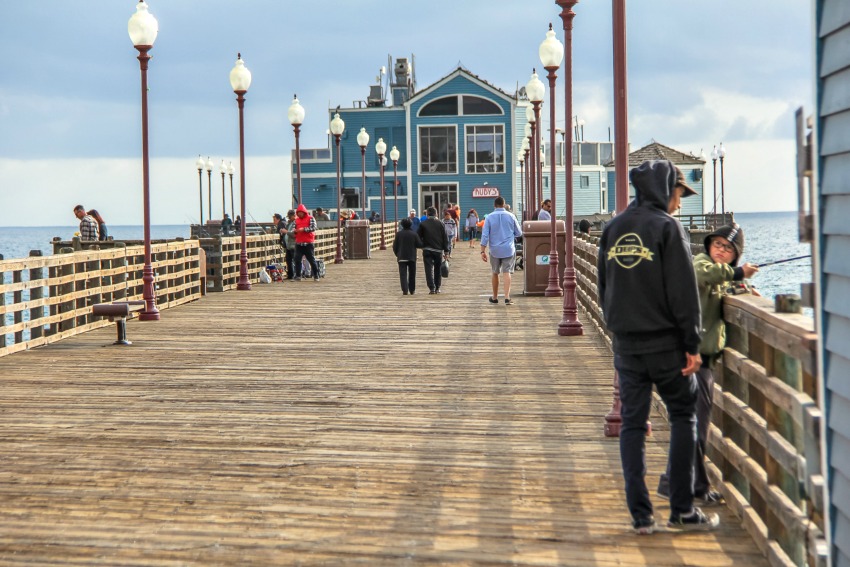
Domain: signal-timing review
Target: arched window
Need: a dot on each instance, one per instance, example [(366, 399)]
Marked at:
[(446, 106), (476, 105)]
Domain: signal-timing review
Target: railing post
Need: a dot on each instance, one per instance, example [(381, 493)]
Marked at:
[(36, 293), (66, 289)]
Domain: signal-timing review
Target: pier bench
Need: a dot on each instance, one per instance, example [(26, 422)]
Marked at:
[(118, 312)]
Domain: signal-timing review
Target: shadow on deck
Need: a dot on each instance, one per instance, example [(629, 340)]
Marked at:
[(330, 423)]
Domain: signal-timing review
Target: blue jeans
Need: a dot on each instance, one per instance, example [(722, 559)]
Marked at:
[(637, 374)]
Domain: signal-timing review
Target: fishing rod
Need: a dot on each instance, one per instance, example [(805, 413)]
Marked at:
[(785, 260)]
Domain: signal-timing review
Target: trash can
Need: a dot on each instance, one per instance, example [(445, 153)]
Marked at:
[(536, 245), (357, 245)]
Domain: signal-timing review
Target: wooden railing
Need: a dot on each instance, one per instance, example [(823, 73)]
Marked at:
[(765, 444), (46, 298)]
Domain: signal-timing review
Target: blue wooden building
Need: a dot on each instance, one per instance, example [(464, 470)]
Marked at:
[(832, 172), (454, 139), (692, 166)]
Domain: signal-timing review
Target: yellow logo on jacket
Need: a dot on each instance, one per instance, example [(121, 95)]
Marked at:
[(628, 251)]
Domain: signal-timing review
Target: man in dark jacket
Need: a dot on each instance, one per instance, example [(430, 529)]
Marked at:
[(404, 246), (649, 297), (435, 244)]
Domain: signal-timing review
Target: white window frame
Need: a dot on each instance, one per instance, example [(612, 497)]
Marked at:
[(421, 164), (466, 152)]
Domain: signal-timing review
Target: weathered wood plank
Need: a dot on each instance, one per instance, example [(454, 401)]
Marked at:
[(332, 423)]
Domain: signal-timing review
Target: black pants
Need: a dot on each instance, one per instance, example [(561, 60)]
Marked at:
[(637, 373), (302, 250), (432, 261), (705, 398), (407, 276), (289, 258)]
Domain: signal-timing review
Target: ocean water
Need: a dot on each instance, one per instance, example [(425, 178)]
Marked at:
[(17, 241)]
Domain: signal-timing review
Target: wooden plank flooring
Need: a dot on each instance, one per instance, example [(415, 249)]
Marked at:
[(330, 423)]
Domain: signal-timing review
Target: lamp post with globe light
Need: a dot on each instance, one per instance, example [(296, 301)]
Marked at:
[(230, 171), (536, 91), (200, 165), (240, 81), (143, 29), (296, 118), (337, 128), (395, 155), (223, 169), (551, 53), (529, 169), (381, 149), (531, 133), (721, 152), (569, 325), (363, 142), (209, 167)]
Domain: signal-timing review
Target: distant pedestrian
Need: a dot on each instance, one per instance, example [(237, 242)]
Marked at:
[(289, 242), (545, 210), (648, 291), (404, 247), (414, 220), (352, 214), (226, 225), (472, 226), (103, 233), (501, 229), (450, 225), (435, 246), (717, 273), (89, 230), (322, 215), (237, 225), (375, 217), (584, 226), (305, 236)]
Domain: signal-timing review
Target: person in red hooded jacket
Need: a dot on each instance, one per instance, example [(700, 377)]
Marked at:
[(305, 228)]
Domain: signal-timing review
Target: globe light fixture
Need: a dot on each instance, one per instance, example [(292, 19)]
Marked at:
[(240, 81)]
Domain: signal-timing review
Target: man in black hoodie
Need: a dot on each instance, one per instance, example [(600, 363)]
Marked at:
[(649, 297), (435, 245)]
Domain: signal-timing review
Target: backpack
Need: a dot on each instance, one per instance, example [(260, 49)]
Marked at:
[(306, 271)]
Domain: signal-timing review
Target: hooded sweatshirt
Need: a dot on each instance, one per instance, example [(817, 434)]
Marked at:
[(646, 280), (308, 223)]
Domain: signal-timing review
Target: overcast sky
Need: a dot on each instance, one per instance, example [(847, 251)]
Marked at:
[(699, 73)]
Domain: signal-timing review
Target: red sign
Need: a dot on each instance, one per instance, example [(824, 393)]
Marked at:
[(485, 192)]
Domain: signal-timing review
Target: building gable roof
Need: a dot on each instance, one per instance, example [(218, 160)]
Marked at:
[(460, 72), (654, 150)]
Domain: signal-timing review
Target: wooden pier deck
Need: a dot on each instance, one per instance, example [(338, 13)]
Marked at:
[(330, 423)]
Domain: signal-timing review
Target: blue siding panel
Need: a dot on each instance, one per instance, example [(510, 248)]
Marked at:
[(833, 128)]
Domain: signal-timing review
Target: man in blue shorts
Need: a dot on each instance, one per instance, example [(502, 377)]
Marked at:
[(500, 231)]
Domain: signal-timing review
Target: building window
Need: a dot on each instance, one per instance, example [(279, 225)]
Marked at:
[(438, 149), (589, 153), (606, 153), (446, 106), (477, 105), (485, 149), (585, 181)]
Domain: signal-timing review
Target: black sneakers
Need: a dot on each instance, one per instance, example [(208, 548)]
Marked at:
[(493, 300), (695, 521)]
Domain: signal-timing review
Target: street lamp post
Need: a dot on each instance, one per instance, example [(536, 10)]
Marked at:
[(143, 29), (722, 153), (230, 171), (240, 81), (209, 167), (296, 118), (394, 155), (529, 169), (223, 169), (522, 183), (551, 54), (337, 128), (714, 155), (569, 325), (381, 149), (200, 165), (536, 91), (363, 142), (533, 165)]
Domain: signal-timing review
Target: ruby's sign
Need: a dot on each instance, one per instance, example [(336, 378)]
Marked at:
[(485, 192)]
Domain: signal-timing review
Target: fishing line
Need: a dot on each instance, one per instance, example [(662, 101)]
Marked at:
[(784, 260)]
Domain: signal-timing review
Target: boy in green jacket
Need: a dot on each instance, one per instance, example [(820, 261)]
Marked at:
[(718, 274)]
